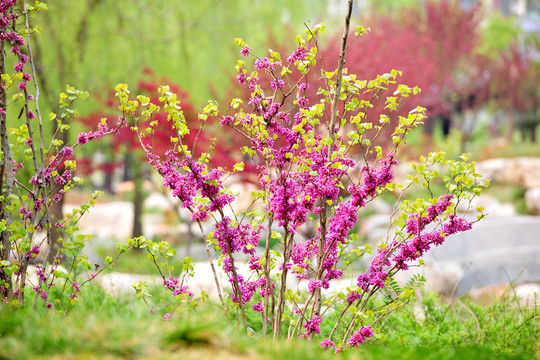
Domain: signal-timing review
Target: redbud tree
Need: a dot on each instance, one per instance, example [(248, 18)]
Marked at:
[(26, 219), (317, 165)]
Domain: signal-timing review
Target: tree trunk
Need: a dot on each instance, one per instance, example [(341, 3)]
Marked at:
[(6, 185), (138, 198), (510, 126), (56, 213)]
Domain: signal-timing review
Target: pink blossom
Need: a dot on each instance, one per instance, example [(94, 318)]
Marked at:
[(302, 102), (327, 343), (262, 63), (82, 138), (258, 307), (360, 336), (298, 54), (67, 151), (277, 84), (312, 326), (245, 51), (241, 78), (226, 120)]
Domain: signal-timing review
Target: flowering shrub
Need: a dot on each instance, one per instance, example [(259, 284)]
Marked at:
[(317, 166), (26, 221)]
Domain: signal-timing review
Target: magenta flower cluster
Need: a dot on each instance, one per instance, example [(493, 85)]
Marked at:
[(7, 18), (396, 256), (33, 253), (360, 336), (327, 343), (206, 185), (76, 289), (312, 326), (341, 223), (197, 181), (175, 286)]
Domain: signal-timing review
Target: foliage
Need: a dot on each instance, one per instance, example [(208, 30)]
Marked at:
[(498, 34), (166, 35), (426, 44), (126, 141), (458, 78)]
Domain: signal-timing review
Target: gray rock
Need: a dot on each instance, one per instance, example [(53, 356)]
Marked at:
[(521, 171), (379, 206), (159, 201), (532, 200), (528, 295), (491, 205), (105, 221), (498, 250), (442, 277), (374, 228)]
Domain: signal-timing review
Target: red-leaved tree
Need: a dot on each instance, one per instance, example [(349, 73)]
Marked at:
[(124, 153)]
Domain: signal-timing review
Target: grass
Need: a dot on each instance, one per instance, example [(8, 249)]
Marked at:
[(501, 327), (105, 327), (136, 261), (518, 150)]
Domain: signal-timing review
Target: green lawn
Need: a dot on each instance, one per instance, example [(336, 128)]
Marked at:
[(101, 326)]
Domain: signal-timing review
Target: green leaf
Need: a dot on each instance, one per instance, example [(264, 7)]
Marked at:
[(327, 141), (59, 274), (239, 166)]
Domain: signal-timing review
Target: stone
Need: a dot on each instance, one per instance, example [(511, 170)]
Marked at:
[(114, 221), (498, 250), (529, 172), (160, 202), (105, 221), (532, 200), (491, 205), (528, 295), (488, 293), (521, 171), (374, 228), (498, 170), (441, 277), (378, 206)]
